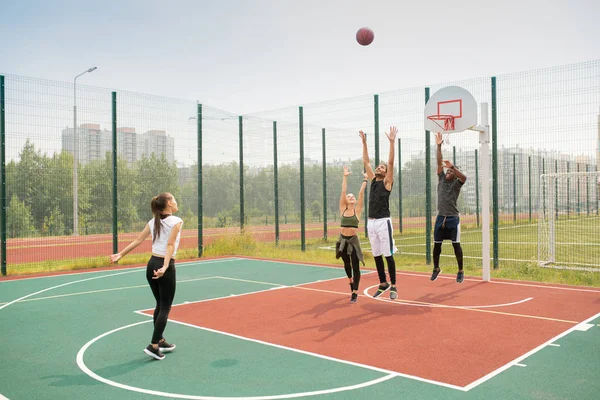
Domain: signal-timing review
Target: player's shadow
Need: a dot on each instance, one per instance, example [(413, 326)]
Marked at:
[(442, 298), (323, 308), (82, 379), (372, 311)]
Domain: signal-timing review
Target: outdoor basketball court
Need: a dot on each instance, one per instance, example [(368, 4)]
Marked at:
[(259, 329)]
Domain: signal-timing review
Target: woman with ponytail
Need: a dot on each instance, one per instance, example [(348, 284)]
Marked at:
[(165, 229)]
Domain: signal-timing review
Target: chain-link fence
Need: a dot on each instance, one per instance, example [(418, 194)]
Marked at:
[(277, 174)]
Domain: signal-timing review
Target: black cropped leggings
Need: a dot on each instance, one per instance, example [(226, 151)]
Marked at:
[(352, 266), (163, 290)]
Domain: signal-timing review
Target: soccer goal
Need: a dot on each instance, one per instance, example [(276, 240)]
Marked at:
[(568, 221)]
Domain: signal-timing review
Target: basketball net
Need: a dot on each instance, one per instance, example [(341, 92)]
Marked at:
[(446, 123)]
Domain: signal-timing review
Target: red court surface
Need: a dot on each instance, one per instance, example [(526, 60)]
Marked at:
[(411, 335)]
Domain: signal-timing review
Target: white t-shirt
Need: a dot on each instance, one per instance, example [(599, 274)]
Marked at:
[(159, 246)]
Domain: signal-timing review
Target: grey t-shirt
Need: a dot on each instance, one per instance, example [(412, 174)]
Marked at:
[(447, 193)]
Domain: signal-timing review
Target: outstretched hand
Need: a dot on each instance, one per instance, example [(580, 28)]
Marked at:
[(365, 176), (115, 257), (438, 139), (362, 136), (346, 171), (447, 164), (392, 134)]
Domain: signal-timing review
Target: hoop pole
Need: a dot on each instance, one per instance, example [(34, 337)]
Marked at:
[(484, 142)]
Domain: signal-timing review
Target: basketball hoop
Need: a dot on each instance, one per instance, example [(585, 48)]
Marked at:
[(444, 121)]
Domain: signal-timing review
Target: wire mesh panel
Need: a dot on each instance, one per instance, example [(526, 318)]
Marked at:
[(41, 172), (221, 170), (59, 143), (341, 120), (547, 124), (156, 152), (259, 176), (567, 229), (287, 149)]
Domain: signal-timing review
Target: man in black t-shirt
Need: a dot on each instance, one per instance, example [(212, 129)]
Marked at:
[(379, 224)]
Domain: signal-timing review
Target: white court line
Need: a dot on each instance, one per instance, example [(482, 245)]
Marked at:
[(108, 269), (524, 356), (433, 305), (466, 279), (275, 286), (107, 290), (520, 365), (84, 368), (128, 271), (66, 284), (2, 397), (553, 344)]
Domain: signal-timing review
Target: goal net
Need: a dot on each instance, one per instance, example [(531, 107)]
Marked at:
[(568, 221)]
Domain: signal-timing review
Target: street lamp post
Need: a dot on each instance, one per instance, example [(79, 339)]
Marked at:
[(76, 155)]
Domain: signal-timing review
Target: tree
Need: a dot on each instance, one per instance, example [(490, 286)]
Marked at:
[(19, 221)]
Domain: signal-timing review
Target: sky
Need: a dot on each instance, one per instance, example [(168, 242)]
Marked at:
[(250, 56)]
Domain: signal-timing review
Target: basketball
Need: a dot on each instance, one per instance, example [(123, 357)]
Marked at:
[(365, 36)]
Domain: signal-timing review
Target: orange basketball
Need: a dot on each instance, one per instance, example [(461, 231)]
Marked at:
[(365, 36)]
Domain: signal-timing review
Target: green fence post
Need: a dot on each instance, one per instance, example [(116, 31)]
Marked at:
[(400, 184), (427, 192), (241, 150), (587, 191), (324, 185), (275, 183), (556, 190), (477, 187), (578, 193), (2, 178), (544, 187), (597, 185), (495, 170), (376, 133), (115, 209), (529, 182), (302, 211), (568, 190), (199, 181), (514, 188), (366, 202), (454, 155)]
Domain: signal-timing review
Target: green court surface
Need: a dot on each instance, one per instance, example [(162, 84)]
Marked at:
[(81, 336)]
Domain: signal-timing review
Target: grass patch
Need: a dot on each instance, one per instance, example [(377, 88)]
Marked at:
[(320, 251)]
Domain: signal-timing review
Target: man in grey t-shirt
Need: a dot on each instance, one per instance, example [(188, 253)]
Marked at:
[(447, 223)]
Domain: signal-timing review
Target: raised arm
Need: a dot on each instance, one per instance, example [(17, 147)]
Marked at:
[(389, 175), (141, 237), (461, 177), (366, 161), (438, 142), (361, 195), (343, 201)]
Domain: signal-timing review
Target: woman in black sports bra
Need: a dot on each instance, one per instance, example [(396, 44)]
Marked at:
[(348, 244)]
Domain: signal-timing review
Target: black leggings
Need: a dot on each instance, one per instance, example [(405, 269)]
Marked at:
[(437, 251), (352, 266), (381, 269), (163, 290)]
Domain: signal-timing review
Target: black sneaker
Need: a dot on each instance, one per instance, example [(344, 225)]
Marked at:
[(154, 353), (460, 277), (354, 298), (393, 293), (166, 347), (382, 288), (435, 274)]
